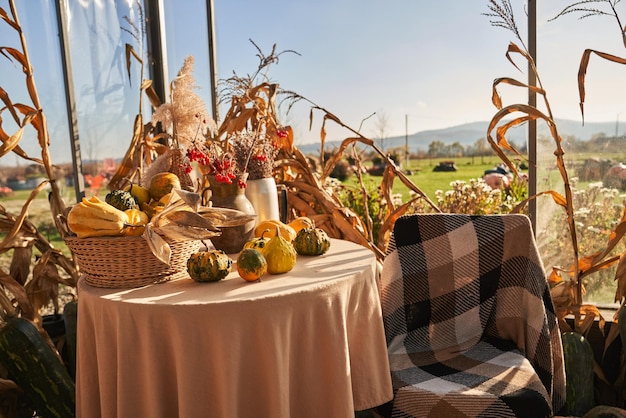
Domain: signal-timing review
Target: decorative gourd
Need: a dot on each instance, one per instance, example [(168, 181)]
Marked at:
[(95, 218), (279, 254), (259, 242), (251, 264), (162, 184), (311, 241), (301, 222), (285, 230), (36, 369), (209, 266), (140, 193), (121, 199), (578, 356), (137, 221)]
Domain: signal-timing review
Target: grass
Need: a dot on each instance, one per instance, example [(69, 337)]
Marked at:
[(38, 214), (430, 181)]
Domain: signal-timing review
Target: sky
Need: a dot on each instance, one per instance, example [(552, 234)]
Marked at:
[(422, 64), (416, 64)]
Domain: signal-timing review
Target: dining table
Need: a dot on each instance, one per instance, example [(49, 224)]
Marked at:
[(306, 343)]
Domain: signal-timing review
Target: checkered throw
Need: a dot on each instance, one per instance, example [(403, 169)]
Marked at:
[(470, 325)]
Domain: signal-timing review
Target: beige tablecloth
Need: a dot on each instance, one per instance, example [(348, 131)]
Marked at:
[(309, 343)]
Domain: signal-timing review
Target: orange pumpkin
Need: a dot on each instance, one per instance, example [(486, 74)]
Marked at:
[(251, 264), (301, 222), (162, 184)]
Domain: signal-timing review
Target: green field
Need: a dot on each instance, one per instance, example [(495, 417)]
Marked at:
[(430, 181)]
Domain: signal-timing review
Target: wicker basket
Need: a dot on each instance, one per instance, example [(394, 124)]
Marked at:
[(127, 262)]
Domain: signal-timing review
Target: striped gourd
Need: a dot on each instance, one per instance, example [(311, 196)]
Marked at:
[(578, 356), (209, 266), (33, 365)]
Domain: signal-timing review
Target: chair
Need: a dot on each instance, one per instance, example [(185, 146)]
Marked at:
[(469, 321)]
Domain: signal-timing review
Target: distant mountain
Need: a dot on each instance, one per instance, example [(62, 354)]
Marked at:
[(467, 134)]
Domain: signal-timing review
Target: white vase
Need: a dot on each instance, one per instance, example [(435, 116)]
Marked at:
[(263, 195)]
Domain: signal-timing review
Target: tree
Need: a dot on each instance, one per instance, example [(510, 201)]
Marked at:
[(436, 149), (456, 149), (382, 122), (481, 148)]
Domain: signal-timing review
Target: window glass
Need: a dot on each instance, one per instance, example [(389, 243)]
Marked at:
[(39, 24), (186, 33), (107, 99), (591, 149)]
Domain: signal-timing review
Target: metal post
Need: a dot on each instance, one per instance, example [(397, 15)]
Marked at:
[(70, 100), (212, 59), (532, 125), (406, 142), (157, 51)]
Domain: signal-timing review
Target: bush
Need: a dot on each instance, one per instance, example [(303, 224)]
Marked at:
[(597, 211), (473, 198)]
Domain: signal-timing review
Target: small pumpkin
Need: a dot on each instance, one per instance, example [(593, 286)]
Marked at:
[(251, 264), (311, 241), (279, 254), (283, 229), (162, 184), (209, 266), (259, 242), (137, 221), (301, 222)]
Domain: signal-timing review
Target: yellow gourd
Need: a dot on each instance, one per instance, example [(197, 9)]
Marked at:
[(279, 254), (275, 227)]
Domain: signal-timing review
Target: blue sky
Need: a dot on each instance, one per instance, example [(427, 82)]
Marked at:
[(420, 64), (432, 61)]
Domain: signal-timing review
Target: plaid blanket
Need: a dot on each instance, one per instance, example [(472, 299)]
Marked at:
[(469, 321)]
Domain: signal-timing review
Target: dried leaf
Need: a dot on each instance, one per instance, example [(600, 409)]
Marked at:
[(191, 199), (301, 206), (20, 263), (158, 246), (224, 217), (17, 290), (20, 219), (554, 277), (130, 51), (4, 16), (11, 143), (582, 71), (187, 218), (16, 55), (185, 232), (514, 49), (495, 96), (385, 229), (43, 288), (386, 186), (620, 278), (558, 198), (611, 336), (131, 159)]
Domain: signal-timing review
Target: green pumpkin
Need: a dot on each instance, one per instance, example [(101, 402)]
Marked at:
[(257, 243), (578, 357), (311, 241), (209, 266)]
